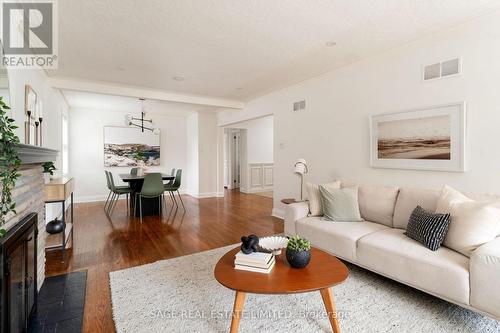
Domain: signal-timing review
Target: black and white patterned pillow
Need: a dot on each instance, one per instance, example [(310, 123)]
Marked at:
[(428, 228)]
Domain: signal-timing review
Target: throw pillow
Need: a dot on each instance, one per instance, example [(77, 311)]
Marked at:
[(340, 205), (315, 198), (428, 228), (473, 223)]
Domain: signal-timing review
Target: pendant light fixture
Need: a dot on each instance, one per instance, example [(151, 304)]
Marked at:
[(139, 122)]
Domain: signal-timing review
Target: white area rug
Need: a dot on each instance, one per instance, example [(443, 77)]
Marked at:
[(182, 295)]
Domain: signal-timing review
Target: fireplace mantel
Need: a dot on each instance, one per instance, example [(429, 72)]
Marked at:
[(32, 154)]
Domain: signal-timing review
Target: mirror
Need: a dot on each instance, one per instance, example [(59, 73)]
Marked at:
[(4, 80)]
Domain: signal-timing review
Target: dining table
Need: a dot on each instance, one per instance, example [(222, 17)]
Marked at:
[(150, 206)]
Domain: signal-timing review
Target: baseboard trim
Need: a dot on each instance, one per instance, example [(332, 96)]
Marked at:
[(256, 190), (92, 198), (279, 213), (206, 195)]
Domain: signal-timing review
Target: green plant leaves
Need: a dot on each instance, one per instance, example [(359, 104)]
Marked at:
[(9, 163), (297, 243), (48, 167)]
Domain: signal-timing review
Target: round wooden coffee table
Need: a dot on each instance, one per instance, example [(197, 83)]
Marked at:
[(324, 271)]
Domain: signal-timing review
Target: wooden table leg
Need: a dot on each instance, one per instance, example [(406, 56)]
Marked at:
[(239, 301), (327, 296)]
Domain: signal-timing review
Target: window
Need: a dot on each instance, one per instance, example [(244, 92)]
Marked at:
[(64, 139)]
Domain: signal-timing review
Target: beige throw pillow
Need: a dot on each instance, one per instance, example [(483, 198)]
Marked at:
[(473, 223), (314, 196)]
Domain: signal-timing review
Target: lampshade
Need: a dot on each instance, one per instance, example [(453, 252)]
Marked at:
[(301, 166)]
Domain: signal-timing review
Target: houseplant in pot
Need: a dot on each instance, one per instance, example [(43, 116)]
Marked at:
[(48, 171), (298, 252)]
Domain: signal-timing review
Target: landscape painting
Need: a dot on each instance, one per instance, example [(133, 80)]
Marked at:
[(430, 138), (419, 138), (128, 147)]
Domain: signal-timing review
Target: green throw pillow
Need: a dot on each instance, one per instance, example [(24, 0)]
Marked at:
[(340, 205)]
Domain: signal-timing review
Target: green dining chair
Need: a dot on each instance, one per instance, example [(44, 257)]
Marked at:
[(174, 187), (108, 183), (134, 171), (117, 191), (171, 182), (151, 188)]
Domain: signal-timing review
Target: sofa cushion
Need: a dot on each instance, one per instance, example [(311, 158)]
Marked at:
[(376, 203), (338, 238), (315, 205), (444, 272), (408, 199), (473, 223), (340, 204)]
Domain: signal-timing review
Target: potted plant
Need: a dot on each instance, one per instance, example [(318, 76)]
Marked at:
[(48, 171), (298, 252), (9, 164)]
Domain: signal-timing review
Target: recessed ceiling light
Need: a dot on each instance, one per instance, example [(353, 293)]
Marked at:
[(330, 44), (178, 78), (239, 88)]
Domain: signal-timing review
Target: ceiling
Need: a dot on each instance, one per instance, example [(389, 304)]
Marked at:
[(86, 100), (238, 48)]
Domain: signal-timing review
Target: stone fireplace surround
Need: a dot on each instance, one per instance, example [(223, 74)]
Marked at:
[(28, 195)]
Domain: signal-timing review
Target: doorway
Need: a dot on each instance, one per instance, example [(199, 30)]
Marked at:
[(232, 158), (248, 156)]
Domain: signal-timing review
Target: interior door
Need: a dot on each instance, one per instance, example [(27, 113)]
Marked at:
[(236, 160), (226, 160)]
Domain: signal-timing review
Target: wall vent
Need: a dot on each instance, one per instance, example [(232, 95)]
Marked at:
[(300, 105), (442, 69)]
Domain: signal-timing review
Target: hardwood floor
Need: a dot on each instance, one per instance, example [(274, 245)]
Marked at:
[(103, 245)]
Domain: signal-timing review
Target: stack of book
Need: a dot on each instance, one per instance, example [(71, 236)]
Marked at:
[(259, 262)]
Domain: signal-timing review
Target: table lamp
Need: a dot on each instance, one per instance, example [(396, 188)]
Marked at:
[(301, 169)]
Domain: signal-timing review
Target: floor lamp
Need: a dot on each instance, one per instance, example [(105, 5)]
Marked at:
[(301, 169)]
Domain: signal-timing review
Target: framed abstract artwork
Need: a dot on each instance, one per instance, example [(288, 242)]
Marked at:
[(431, 138), (128, 146)]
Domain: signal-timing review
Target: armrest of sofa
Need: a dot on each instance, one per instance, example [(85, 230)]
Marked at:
[(294, 212), (484, 278)]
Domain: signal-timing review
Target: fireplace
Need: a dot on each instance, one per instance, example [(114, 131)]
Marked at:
[(18, 267), (22, 250)]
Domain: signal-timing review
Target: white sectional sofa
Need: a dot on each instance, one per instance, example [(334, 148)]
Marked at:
[(379, 244)]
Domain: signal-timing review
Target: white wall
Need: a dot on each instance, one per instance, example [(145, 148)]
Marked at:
[(192, 174), (86, 161), (54, 105), (203, 154), (332, 134), (207, 136)]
